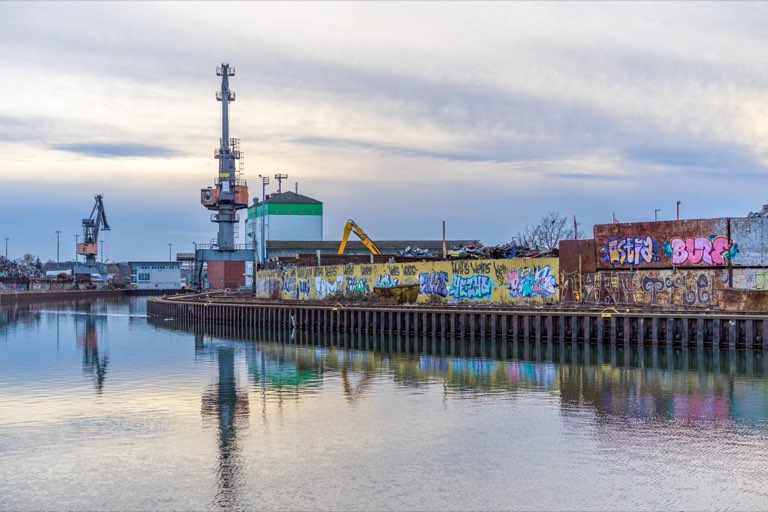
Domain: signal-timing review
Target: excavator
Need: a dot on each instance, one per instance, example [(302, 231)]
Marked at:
[(348, 228)]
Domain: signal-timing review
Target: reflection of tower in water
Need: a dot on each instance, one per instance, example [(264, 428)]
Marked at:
[(230, 409), (94, 362)]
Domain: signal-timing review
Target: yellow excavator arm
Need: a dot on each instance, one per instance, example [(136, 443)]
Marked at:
[(348, 227)]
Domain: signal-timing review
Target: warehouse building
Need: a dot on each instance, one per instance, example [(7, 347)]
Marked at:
[(162, 275)]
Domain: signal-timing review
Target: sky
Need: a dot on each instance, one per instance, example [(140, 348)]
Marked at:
[(398, 115)]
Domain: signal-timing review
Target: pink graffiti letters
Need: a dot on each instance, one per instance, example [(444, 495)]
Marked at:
[(631, 251), (535, 281), (708, 251)]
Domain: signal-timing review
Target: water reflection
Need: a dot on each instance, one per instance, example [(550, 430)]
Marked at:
[(686, 384), (89, 321), (225, 403)]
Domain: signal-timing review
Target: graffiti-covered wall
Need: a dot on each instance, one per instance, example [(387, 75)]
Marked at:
[(654, 288), (510, 281), (684, 243)]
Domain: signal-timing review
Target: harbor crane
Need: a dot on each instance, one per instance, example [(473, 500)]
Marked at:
[(92, 226)]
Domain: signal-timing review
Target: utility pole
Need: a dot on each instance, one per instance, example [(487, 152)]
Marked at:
[(169, 252), (77, 239), (6, 247), (57, 246), (656, 214), (280, 177), (678, 209), (263, 248)]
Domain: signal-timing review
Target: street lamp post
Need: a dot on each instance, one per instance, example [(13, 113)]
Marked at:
[(6, 247), (656, 214), (102, 251), (77, 239), (169, 252), (58, 260)]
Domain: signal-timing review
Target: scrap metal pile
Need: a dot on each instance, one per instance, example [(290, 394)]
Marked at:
[(495, 252), (414, 252), (20, 268)]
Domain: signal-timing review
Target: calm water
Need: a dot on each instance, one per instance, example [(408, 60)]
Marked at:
[(102, 409)]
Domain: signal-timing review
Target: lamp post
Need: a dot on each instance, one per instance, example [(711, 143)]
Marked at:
[(102, 251), (58, 260), (678, 209), (6, 247), (77, 239), (656, 214), (169, 252)]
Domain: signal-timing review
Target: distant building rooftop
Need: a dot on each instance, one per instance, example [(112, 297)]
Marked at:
[(291, 197)]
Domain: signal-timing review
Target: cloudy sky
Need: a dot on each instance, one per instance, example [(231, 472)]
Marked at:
[(398, 115)]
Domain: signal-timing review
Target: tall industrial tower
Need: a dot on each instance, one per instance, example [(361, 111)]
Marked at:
[(228, 194)]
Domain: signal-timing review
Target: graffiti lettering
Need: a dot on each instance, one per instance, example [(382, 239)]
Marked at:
[(716, 250), (480, 268), (325, 288), (433, 283), (304, 287), (460, 267), (531, 282), (357, 285), (366, 270), (476, 286), (631, 251), (409, 270), (385, 281)]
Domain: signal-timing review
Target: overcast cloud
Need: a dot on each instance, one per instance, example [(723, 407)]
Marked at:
[(399, 115)]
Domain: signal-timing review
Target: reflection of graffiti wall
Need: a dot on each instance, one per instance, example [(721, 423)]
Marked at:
[(511, 280)]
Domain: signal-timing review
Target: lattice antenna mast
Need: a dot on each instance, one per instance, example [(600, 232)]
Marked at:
[(280, 177), (228, 148)]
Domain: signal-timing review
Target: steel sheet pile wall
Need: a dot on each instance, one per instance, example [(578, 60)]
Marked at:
[(685, 263), (520, 280)]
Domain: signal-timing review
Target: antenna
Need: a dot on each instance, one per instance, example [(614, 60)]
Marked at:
[(280, 177)]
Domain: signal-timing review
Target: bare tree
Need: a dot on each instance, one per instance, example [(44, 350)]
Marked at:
[(546, 235)]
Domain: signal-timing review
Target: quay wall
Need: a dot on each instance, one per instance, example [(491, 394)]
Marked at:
[(504, 281)]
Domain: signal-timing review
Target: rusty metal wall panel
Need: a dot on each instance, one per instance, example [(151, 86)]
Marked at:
[(686, 243), (570, 250), (750, 236)]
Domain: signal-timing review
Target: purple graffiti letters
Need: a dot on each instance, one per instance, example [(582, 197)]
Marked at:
[(433, 283)]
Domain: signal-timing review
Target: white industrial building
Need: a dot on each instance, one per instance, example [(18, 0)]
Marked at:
[(286, 216), (162, 275)]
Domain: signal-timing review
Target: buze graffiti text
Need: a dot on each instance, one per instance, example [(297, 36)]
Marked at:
[(716, 250)]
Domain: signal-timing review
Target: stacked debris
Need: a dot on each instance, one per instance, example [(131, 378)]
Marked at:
[(496, 252), (761, 213), (27, 267), (414, 252)]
